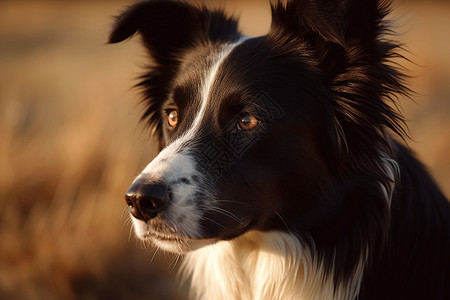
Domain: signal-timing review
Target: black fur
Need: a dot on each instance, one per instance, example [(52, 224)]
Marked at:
[(167, 36), (319, 170)]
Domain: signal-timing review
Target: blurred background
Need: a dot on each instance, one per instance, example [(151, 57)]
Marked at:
[(70, 142)]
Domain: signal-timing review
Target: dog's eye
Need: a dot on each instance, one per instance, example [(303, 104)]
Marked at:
[(172, 118), (248, 122)]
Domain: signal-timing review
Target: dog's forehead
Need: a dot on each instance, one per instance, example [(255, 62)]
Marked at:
[(196, 62), (212, 71)]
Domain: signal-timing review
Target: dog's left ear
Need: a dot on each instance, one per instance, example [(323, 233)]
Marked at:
[(331, 27), (346, 42)]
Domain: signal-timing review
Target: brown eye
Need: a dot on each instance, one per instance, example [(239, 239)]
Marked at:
[(248, 122), (172, 118)]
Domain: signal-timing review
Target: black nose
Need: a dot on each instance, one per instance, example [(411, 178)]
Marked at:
[(146, 200)]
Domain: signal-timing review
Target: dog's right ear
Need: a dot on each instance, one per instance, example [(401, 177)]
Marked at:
[(168, 27)]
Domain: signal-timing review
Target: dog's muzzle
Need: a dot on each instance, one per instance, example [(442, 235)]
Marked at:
[(147, 199)]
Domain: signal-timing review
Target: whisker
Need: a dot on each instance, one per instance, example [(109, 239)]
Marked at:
[(154, 253), (144, 245), (226, 213), (211, 220), (175, 262), (124, 215), (130, 233), (284, 222), (229, 201)]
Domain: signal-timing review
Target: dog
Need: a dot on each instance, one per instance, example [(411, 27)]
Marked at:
[(283, 171)]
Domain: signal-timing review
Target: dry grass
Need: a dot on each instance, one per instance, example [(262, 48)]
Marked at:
[(70, 145)]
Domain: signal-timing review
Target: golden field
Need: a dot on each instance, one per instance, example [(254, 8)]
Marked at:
[(71, 143)]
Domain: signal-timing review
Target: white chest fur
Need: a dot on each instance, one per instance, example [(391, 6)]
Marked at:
[(262, 265)]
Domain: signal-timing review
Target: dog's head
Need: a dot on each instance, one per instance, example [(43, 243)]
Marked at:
[(283, 131)]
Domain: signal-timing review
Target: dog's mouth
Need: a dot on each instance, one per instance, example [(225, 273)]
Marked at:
[(165, 237), (177, 244), (161, 231)]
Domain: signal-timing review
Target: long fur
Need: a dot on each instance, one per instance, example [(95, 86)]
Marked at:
[(320, 201), (259, 265)]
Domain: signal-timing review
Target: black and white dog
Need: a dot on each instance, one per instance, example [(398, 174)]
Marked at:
[(277, 177)]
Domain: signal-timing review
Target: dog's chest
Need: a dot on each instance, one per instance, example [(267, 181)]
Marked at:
[(259, 266)]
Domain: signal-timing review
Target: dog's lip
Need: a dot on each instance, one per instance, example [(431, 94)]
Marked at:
[(165, 237)]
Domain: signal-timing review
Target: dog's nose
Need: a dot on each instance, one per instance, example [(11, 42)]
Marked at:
[(146, 200)]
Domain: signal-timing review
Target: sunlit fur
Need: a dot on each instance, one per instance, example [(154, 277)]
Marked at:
[(270, 265), (320, 201)]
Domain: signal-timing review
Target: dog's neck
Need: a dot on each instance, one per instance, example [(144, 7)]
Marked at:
[(262, 265)]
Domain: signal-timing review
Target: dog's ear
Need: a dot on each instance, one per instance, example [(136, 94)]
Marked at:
[(346, 41), (168, 29), (330, 27)]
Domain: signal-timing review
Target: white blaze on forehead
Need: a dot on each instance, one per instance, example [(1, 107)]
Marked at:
[(175, 162), (208, 82)]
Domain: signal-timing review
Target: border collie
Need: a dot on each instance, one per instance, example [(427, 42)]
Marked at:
[(279, 176)]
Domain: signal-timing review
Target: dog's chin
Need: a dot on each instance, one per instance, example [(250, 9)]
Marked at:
[(171, 242), (180, 245)]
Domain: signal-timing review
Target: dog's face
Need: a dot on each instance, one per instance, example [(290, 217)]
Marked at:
[(251, 137), (230, 152)]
